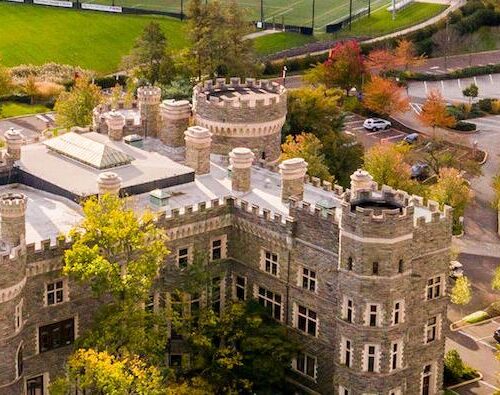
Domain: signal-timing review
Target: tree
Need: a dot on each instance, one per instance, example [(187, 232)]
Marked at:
[(74, 108), (472, 91), (434, 113), (405, 55), (384, 97), (31, 88), (495, 281), (103, 373), (116, 95), (454, 365), (150, 56), (461, 293), (309, 147), (5, 82), (453, 190), (314, 110), (386, 164), (382, 60), (344, 67)]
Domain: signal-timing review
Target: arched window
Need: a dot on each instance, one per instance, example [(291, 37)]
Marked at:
[(19, 361), (349, 263)]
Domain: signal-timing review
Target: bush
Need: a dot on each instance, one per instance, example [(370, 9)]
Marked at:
[(17, 98), (464, 126), (485, 105), (493, 310), (475, 317), (455, 370)]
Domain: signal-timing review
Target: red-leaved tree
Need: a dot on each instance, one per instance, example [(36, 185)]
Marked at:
[(384, 96)]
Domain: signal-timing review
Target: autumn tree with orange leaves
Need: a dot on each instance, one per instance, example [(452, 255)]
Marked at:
[(384, 96), (380, 60), (434, 112), (406, 55)]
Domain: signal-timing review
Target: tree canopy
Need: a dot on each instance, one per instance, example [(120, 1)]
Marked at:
[(434, 112), (383, 96)]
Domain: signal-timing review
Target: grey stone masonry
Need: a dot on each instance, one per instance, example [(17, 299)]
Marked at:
[(12, 218), (149, 107), (175, 115), (198, 141), (241, 160), (292, 172)]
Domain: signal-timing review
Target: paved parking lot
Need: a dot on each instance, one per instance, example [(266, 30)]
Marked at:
[(353, 126), (30, 126)]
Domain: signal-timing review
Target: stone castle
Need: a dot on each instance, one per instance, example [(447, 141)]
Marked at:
[(359, 275)]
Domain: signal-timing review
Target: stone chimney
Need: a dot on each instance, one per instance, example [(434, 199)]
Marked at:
[(241, 160), (175, 116), (14, 141), (198, 141), (13, 218), (116, 123), (149, 107), (292, 172), (109, 182), (361, 180)]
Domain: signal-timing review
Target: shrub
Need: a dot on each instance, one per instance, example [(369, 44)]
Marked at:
[(493, 309), (477, 316), (453, 364), (495, 107), (485, 105), (464, 126)]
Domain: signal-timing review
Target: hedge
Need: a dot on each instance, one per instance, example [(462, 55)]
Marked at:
[(462, 73)]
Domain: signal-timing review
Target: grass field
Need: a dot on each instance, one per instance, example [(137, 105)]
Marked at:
[(34, 34), (272, 43), (380, 21), (11, 109)]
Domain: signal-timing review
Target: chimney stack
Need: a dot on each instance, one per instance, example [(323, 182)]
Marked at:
[(108, 183), (241, 160), (198, 142), (292, 172), (361, 180), (175, 116), (116, 123)]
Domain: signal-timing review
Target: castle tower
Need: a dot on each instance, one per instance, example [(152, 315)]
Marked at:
[(175, 116), (241, 160), (12, 283), (14, 141), (198, 142), (109, 183), (383, 314), (116, 123), (292, 172), (149, 107)]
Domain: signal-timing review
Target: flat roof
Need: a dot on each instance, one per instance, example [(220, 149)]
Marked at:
[(81, 180)]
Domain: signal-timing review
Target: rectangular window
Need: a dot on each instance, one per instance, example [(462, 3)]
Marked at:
[(309, 279), (375, 268), (426, 380), (397, 312), (34, 386), (56, 335), (240, 288), (396, 355), (272, 301), (349, 310), (346, 352), (178, 311), (271, 263), (305, 364), (431, 330), (400, 266), (373, 315), (216, 295), (216, 249), (434, 288), (371, 358), (307, 320), (18, 315), (55, 293), (183, 257)]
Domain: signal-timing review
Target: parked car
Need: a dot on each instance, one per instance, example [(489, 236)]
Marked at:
[(420, 171), (456, 269), (375, 124), (496, 335), (411, 138)]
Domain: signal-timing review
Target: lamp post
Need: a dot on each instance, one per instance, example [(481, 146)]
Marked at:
[(262, 13), (350, 14)]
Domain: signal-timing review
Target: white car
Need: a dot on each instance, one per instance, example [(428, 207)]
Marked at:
[(456, 269), (375, 124)]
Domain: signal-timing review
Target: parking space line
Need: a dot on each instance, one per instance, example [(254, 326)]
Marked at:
[(489, 385), (486, 337)]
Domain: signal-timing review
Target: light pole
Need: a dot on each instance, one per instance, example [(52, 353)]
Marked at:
[(350, 14), (313, 6), (262, 13)]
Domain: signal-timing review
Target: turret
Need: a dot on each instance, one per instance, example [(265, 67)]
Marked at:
[(13, 218), (149, 107)]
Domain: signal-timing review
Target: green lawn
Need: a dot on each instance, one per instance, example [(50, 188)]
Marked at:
[(276, 42), (12, 109), (93, 40), (380, 21)]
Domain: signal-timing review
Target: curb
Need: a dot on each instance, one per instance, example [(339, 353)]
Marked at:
[(27, 115), (470, 325), (486, 154), (478, 378)]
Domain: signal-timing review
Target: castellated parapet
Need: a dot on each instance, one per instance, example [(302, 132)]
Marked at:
[(175, 115), (242, 114), (149, 98)]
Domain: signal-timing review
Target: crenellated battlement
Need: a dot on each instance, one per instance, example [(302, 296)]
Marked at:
[(149, 95), (301, 209), (338, 191)]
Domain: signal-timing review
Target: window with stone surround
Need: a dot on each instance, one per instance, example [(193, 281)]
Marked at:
[(427, 380), (348, 309), (218, 248), (373, 315), (55, 292), (344, 391), (240, 288), (53, 336), (432, 329), (306, 364), (346, 352), (183, 257), (396, 355), (306, 320), (176, 307), (371, 358), (398, 312), (400, 266), (35, 386), (349, 264), (434, 287), (19, 361), (272, 301), (308, 279), (375, 268), (18, 316), (270, 262)]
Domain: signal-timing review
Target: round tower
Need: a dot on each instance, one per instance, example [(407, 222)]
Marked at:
[(149, 98), (175, 116), (14, 141), (242, 114), (12, 283), (108, 183), (116, 123), (241, 163), (374, 287), (198, 142)]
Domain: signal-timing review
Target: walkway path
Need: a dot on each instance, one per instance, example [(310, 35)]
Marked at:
[(260, 33)]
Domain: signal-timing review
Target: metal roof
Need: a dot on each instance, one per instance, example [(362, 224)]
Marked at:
[(88, 151)]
